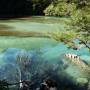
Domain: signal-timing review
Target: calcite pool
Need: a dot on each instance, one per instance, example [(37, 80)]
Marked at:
[(37, 58)]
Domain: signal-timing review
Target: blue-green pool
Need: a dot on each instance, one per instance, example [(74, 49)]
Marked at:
[(39, 57)]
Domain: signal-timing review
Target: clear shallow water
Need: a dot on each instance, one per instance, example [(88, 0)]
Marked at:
[(36, 24), (46, 56), (27, 43)]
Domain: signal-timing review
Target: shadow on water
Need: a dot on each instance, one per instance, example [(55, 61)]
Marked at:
[(33, 67), (63, 80)]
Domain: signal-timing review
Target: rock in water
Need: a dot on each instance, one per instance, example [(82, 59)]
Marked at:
[(82, 81)]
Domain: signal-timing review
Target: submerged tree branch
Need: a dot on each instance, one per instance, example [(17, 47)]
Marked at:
[(83, 42)]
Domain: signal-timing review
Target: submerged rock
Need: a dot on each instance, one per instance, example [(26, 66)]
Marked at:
[(82, 81), (36, 65)]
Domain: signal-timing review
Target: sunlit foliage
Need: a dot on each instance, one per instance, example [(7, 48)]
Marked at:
[(68, 37), (79, 13)]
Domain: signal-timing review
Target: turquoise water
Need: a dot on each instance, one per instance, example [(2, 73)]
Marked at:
[(34, 57)]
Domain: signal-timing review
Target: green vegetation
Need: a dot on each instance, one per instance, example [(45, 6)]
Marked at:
[(60, 9), (39, 5), (66, 7), (79, 13), (68, 37)]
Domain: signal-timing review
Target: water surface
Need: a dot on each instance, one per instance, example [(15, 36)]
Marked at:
[(45, 55)]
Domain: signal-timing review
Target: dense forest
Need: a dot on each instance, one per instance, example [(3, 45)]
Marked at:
[(39, 7), (18, 8)]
